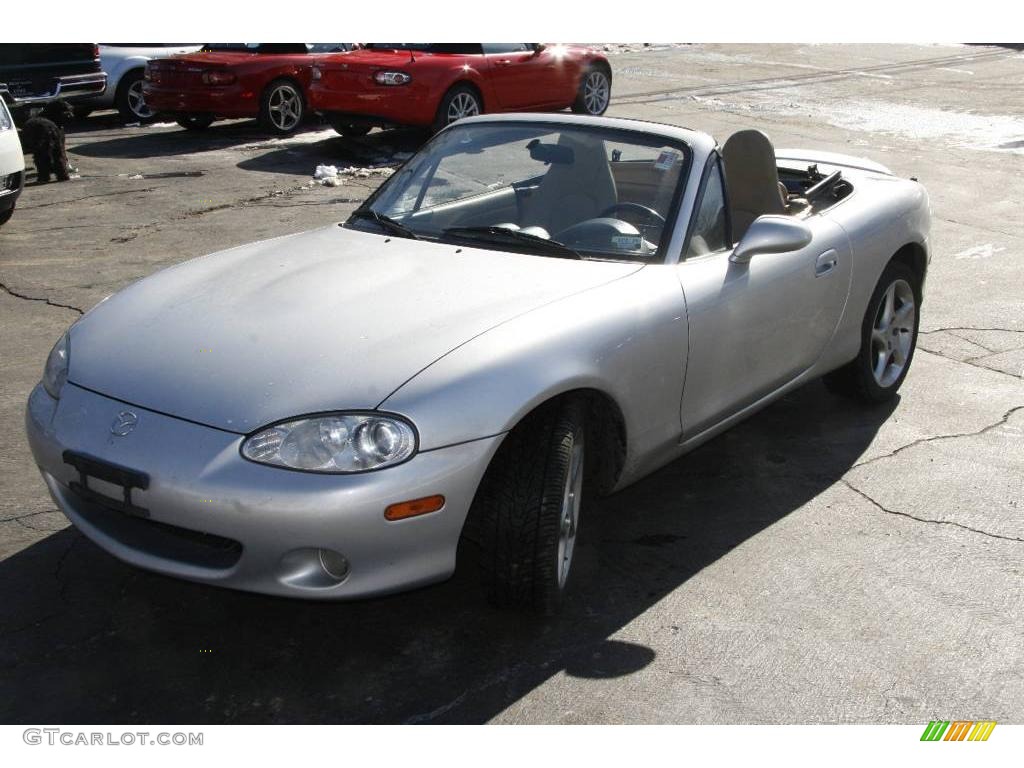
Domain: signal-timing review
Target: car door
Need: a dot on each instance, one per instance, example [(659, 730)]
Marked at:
[(754, 327), (521, 76)]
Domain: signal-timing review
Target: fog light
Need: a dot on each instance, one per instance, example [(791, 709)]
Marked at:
[(334, 564), (313, 568)]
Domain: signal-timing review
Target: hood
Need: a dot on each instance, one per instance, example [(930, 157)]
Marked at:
[(325, 320)]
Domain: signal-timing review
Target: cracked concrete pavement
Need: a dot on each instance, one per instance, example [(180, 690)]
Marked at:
[(819, 563)]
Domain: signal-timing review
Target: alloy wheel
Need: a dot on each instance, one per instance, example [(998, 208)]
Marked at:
[(595, 92), (572, 496), (463, 105), (285, 107), (137, 101), (892, 335)]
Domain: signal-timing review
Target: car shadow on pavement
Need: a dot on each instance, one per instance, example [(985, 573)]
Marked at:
[(380, 148), (86, 639), (162, 140)]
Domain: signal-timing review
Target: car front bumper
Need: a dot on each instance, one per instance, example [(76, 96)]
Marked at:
[(209, 515)]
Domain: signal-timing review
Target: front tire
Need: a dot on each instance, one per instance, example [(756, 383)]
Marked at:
[(197, 121), (130, 101), (888, 339), (5, 216), (461, 101), (282, 108), (595, 92), (526, 515)]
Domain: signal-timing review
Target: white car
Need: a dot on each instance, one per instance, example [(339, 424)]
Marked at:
[(125, 64), (12, 165)]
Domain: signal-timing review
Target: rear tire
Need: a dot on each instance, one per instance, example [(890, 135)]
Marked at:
[(888, 339), (6, 215), (351, 130), (129, 100), (595, 92), (460, 101), (282, 107), (198, 121), (526, 514)]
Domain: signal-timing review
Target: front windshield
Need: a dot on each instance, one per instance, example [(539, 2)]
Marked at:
[(603, 193)]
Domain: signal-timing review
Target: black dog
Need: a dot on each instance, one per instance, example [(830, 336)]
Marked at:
[(43, 138)]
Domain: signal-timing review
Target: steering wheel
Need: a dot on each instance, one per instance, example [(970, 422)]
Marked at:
[(637, 207)]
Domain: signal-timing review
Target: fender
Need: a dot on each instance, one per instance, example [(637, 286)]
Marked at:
[(626, 338)]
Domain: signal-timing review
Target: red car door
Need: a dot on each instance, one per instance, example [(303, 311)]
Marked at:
[(523, 77)]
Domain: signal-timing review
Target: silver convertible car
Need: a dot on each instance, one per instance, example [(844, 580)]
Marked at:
[(533, 310)]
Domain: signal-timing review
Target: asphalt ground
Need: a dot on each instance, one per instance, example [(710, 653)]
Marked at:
[(819, 563)]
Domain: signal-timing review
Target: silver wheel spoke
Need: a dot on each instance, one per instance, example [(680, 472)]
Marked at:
[(903, 316), (595, 93), (892, 336), (284, 108)]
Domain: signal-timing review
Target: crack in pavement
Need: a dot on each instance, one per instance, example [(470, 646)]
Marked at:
[(62, 584), (57, 304), (27, 515), (85, 197), (870, 500), (967, 328), (973, 365), (920, 441)]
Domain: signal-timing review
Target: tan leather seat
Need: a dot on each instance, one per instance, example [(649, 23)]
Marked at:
[(572, 192), (753, 179)]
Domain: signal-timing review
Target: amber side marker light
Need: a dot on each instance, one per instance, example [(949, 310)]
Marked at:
[(413, 508)]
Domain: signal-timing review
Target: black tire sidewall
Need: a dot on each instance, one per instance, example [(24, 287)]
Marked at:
[(871, 389), (264, 116), (558, 461), (515, 522), (349, 129), (197, 122)]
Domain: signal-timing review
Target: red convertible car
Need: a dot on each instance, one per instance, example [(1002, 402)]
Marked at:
[(433, 84), (227, 80)]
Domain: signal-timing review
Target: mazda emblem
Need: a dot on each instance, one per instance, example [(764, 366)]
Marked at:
[(124, 423)]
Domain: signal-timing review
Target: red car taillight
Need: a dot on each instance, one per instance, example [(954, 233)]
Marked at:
[(217, 77), (95, 50)]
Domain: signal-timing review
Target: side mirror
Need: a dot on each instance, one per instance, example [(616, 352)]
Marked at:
[(538, 47), (771, 234)]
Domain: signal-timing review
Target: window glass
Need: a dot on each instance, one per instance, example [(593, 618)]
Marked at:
[(709, 230), (598, 191), (506, 47), (463, 48)]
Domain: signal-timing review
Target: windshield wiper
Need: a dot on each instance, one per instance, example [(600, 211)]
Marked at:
[(515, 236), (386, 223)]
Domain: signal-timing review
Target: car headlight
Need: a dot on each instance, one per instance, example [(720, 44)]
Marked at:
[(55, 374), (334, 442)]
